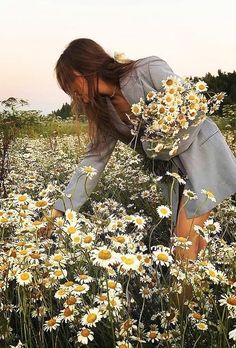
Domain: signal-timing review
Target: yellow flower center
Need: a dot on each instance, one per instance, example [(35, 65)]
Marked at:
[(24, 276), (67, 312), (41, 203), (22, 198), (212, 273), (162, 110), (91, 317), (103, 297), (182, 239), (51, 322), (139, 221), (197, 316), (85, 332), (3, 219), (127, 260), (231, 301), (58, 258), (36, 222), (58, 273), (88, 239), (152, 334), (80, 288), (70, 216), (83, 276), (23, 252), (120, 239), (104, 254), (162, 257), (35, 255), (71, 229), (112, 284), (71, 300), (169, 82)]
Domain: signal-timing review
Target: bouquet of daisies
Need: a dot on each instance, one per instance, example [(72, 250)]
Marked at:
[(173, 115)]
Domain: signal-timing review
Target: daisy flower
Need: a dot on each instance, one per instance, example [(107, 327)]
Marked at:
[(76, 238), (59, 221), (209, 195), (58, 259), (41, 203), (230, 302), (162, 257), (70, 228), (169, 82), (70, 215), (120, 240), (211, 226), (196, 317), (51, 324), (152, 336), (58, 273), (201, 86), (67, 314), (80, 289), (136, 109), (163, 211), (61, 293), (84, 278), (176, 176), (202, 326), (129, 262), (181, 242), (24, 278), (139, 222), (190, 194), (87, 240), (146, 292), (213, 274), (151, 95), (89, 171), (22, 199), (85, 335), (103, 257), (91, 317)]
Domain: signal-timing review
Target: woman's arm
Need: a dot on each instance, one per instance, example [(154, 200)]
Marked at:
[(159, 70), (76, 186)]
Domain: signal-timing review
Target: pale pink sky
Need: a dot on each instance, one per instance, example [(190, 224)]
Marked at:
[(194, 37)]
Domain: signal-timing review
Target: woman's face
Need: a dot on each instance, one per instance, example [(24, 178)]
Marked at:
[(80, 88)]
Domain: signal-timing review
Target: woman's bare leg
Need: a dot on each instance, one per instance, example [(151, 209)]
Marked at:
[(185, 228)]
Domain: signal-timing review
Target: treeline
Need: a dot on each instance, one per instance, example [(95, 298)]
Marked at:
[(223, 82)]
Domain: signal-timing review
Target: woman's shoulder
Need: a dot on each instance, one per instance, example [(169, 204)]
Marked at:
[(149, 59)]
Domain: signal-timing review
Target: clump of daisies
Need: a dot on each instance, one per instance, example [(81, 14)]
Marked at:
[(169, 117)]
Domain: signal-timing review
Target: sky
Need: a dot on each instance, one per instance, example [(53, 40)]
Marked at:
[(194, 37)]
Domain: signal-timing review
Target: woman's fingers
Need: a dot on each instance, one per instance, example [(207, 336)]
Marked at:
[(45, 231)]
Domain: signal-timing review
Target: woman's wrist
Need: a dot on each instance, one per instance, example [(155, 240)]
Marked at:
[(56, 213)]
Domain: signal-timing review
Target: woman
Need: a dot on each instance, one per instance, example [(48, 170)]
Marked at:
[(106, 89)]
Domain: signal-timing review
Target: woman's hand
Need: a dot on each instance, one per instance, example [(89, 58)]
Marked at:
[(46, 231)]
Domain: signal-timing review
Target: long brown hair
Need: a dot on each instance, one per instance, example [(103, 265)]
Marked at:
[(89, 59)]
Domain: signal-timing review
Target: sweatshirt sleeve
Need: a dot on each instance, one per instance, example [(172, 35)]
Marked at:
[(78, 193), (159, 70)]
